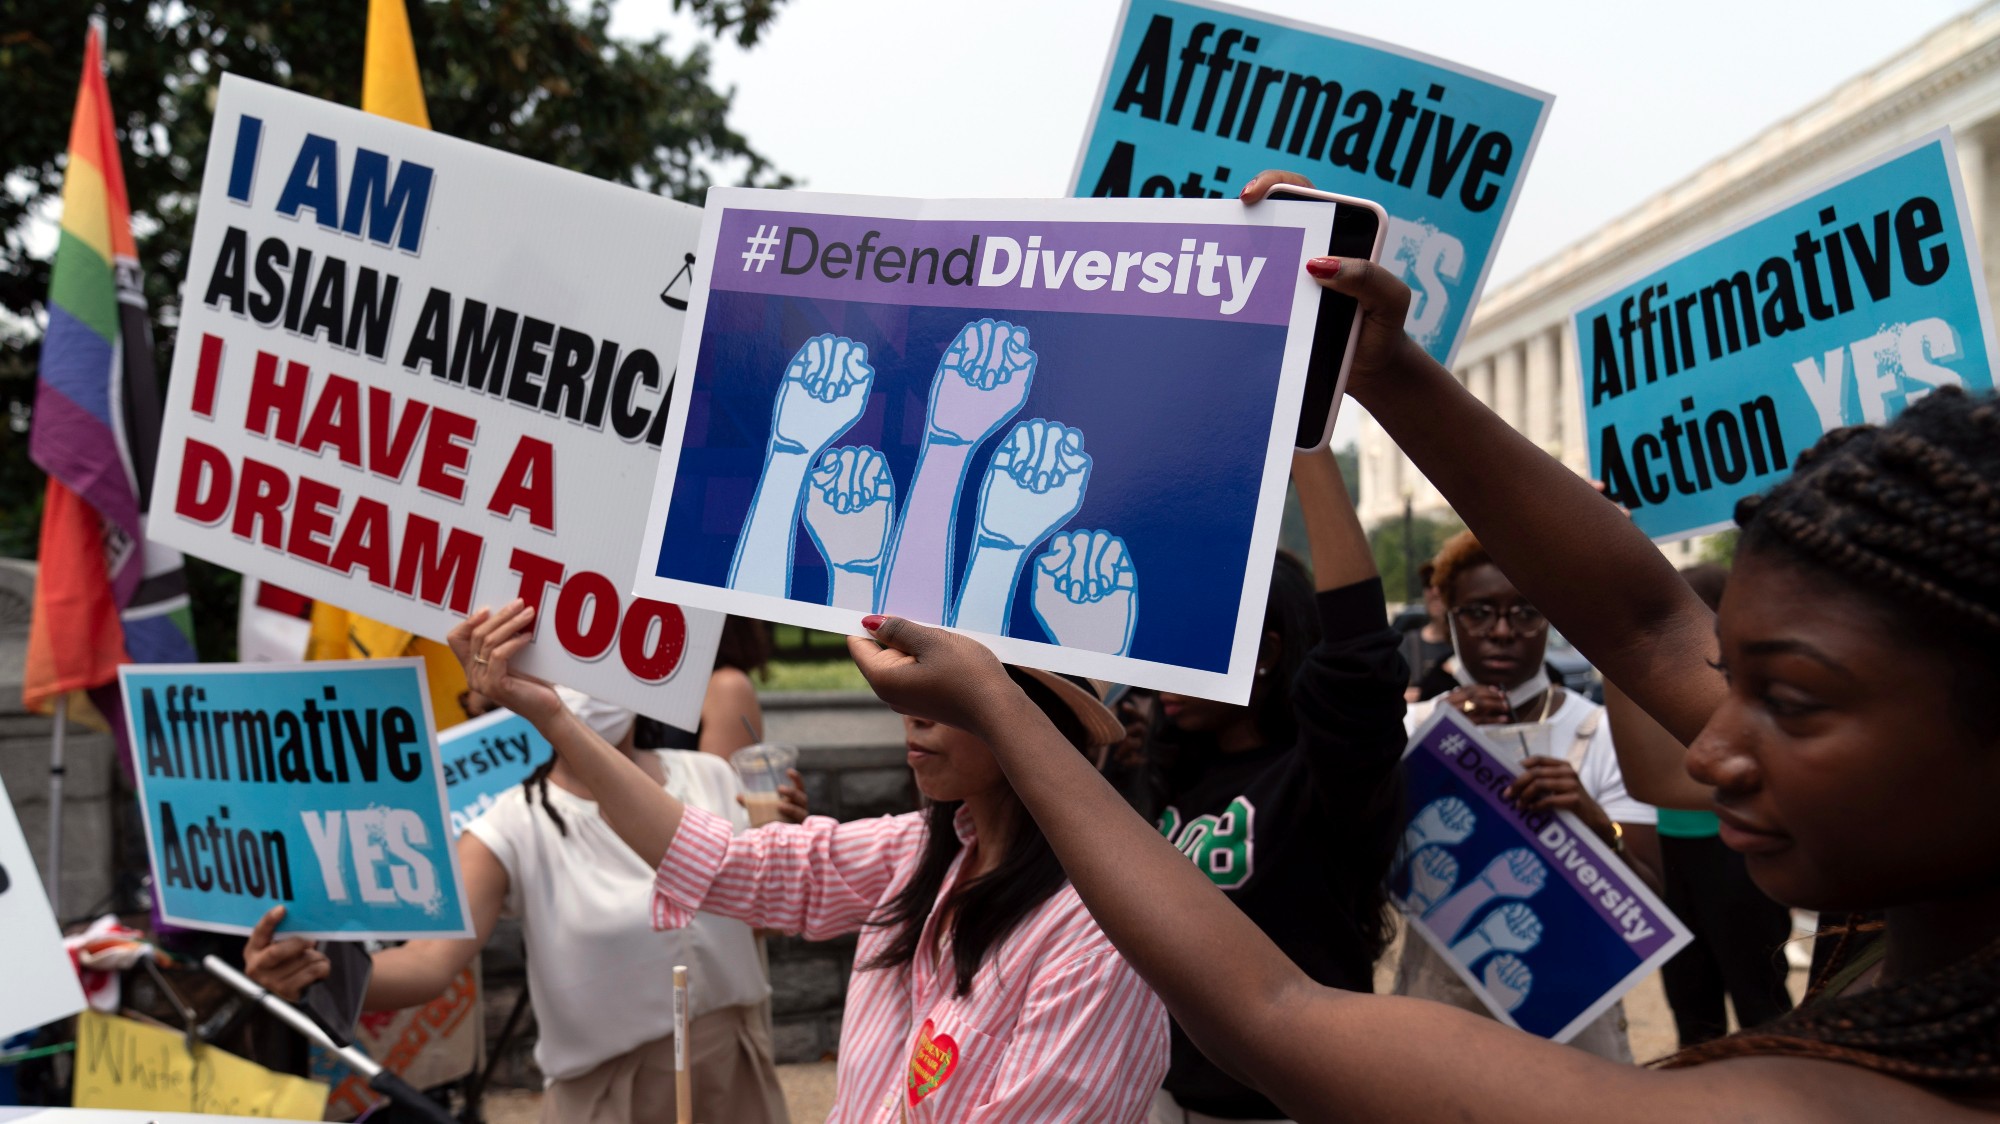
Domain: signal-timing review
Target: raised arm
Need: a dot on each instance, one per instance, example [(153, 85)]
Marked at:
[(643, 814), (1567, 548), (420, 971), (1348, 696), (1320, 1053), (1654, 762), (1340, 552)]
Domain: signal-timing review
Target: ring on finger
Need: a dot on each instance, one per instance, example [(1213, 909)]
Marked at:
[(1468, 706), (478, 661)]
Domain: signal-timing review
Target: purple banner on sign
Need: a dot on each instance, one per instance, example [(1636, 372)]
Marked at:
[(1189, 271), (1562, 842)]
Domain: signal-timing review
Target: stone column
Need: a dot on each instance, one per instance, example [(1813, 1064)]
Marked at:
[(1479, 380), (1572, 441), (1544, 409), (1507, 387)]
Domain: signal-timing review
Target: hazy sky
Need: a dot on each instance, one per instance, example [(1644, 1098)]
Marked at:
[(952, 98), (949, 98)]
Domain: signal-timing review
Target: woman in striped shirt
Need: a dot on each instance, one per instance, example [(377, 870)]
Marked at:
[(982, 989)]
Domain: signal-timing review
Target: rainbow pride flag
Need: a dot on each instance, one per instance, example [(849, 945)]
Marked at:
[(96, 432)]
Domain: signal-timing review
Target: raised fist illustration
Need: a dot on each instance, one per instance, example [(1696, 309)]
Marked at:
[(1513, 873), (1033, 485), (850, 503), (1087, 592), (1433, 873), (824, 393), (1511, 928), (1446, 820), (982, 380), (1508, 980)]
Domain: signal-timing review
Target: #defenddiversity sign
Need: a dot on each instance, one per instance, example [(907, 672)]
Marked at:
[(1531, 910), (1197, 97), (1002, 416), (311, 786), (1706, 378), (416, 376)]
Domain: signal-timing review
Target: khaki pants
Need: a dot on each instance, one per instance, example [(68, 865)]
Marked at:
[(735, 1081)]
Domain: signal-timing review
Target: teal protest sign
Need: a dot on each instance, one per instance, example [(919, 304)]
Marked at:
[(1706, 378), (485, 757), (1199, 97), (311, 786)]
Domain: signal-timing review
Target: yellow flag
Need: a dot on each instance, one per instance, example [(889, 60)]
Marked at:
[(390, 85), (340, 635)]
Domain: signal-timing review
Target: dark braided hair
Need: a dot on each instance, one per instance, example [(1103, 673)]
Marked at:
[(1908, 516), (537, 784)]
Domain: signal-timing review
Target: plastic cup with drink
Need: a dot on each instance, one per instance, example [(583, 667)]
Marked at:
[(763, 769)]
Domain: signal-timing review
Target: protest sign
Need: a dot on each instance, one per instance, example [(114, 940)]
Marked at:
[(311, 786), (125, 1064), (1016, 418), (485, 757), (1706, 378), (1531, 910), (35, 973), (1199, 97), (416, 376), (429, 1045)]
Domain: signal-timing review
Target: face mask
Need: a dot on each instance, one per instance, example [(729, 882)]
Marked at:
[(1535, 685)]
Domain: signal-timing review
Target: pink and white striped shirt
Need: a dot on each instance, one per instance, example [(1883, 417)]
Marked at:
[(1058, 1027)]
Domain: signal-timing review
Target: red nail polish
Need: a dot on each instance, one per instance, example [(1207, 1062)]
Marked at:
[(1323, 267), (873, 621)]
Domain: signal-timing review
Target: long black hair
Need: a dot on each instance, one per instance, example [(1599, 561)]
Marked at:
[(985, 909)]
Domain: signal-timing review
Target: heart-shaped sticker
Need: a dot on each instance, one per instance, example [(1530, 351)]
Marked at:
[(935, 1056)]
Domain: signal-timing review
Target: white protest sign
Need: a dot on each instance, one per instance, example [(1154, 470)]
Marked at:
[(416, 376), (36, 980)]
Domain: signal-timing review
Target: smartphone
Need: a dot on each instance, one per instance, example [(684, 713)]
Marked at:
[(1358, 226)]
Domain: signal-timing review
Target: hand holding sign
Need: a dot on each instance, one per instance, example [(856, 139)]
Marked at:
[(284, 968), (485, 642)]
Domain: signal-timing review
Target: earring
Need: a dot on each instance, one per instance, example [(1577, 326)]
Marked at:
[(1263, 671)]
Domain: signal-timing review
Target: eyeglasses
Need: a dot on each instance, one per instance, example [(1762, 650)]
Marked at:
[(1479, 618)]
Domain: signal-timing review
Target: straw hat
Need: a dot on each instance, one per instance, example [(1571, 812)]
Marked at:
[(1100, 726)]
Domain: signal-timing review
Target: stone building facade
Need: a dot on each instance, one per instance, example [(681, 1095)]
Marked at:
[(1520, 355)]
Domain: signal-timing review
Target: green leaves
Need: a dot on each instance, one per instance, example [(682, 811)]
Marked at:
[(543, 79)]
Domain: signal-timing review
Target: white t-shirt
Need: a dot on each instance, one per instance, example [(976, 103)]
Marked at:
[(1598, 771), (601, 978)]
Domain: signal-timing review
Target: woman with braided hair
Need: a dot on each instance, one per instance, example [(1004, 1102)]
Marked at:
[(1841, 706)]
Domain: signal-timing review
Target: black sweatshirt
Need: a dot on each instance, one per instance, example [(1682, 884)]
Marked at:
[(1299, 835)]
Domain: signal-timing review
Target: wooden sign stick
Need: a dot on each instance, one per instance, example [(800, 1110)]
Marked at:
[(683, 1082)]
